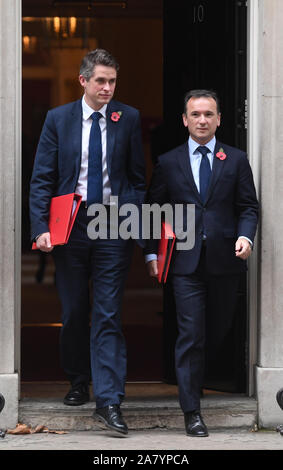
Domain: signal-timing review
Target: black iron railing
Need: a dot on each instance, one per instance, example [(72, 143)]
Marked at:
[(279, 398), (2, 404)]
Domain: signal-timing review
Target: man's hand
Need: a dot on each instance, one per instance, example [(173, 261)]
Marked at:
[(43, 242), (152, 268), (243, 248)]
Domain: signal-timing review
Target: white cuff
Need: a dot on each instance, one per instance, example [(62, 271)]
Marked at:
[(246, 238), (150, 257)]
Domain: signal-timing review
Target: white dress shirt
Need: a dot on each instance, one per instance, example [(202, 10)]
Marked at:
[(196, 156), (86, 126)]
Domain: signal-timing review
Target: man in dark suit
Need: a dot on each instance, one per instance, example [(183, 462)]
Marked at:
[(217, 180), (92, 147)]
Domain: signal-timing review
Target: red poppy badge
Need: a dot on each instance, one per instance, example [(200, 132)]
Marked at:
[(221, 154), (115, 116)]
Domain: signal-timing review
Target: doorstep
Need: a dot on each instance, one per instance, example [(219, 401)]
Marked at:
[(220, 411)]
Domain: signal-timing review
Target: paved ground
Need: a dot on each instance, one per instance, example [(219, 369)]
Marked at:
[(144, 440)]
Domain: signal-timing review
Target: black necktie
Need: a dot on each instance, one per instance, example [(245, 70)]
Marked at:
[(94, 179), (204, 172)]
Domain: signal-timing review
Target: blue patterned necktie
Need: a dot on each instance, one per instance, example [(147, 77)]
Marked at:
[(94, 179), (204, 172)]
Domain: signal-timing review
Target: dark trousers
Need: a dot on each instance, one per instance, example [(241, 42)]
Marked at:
[(191, 293), (90, 277)]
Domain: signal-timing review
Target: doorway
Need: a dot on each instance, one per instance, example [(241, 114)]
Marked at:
[(185, 44), (56, 35), (205, 46)]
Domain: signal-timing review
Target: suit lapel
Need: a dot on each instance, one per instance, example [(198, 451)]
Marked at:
[(217, 168), (112, 127), (75, 130), (184, 162)]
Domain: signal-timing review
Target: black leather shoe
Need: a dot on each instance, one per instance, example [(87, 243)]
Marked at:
[(194, 424), (111, 416), (77, 395)]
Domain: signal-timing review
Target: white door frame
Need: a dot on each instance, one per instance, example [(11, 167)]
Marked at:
[(253, 126)]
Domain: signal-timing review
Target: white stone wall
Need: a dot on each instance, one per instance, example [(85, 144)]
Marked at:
[(270, 305), (10, 190)]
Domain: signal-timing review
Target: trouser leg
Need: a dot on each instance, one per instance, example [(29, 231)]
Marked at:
[(222, 299), (190, 298), (110, 262), (72, 280)]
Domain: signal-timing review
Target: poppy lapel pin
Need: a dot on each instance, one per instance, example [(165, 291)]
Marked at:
[(115, 116), (221, 154)]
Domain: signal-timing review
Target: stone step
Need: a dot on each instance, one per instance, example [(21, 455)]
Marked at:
[(219, 412)]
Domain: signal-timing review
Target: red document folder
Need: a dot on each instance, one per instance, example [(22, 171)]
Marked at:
[(63, 211), (165, 249)]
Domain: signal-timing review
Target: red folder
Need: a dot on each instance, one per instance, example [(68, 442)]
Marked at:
[(63, 211), (165, 249)]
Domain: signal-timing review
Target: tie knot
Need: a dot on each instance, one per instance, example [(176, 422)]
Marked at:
[(203, 150), (96, 116)]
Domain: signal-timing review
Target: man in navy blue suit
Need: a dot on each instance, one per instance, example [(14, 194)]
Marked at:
[(92, 147), (217, 180)]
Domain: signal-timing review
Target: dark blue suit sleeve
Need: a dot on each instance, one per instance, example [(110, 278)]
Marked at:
[(44, 177), (247, 206), (157, 193)]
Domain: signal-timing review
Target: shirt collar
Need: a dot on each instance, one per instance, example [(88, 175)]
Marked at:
[(88, 111), (193, 145)]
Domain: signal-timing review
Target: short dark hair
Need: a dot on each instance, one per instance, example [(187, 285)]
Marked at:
[(201, 94), (96, 57)]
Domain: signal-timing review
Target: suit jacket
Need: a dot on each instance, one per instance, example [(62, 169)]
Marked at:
[(230, 208), (58, 159)]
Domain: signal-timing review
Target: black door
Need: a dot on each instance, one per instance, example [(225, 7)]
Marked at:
[(205, 47)]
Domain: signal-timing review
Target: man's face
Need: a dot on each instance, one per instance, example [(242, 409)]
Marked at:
[(100, 88), (201, 119)]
